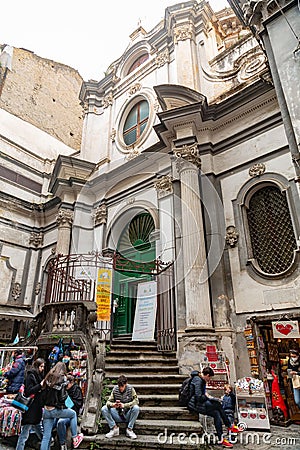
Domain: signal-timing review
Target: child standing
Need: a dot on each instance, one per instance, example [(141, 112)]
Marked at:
[(228, 405)]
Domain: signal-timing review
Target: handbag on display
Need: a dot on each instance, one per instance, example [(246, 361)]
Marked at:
[(296, 381), (21, 402)]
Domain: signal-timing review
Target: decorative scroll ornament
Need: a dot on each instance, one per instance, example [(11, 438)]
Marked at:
[(162, 58), (135, 88), (100, 215), (64, 217), (36, 239), (183, 32), (107, 100), (232, 236), (132, 154), (113, 134), (37, 289), (257, 169), (164, 186), (187, 154), (16, 291)]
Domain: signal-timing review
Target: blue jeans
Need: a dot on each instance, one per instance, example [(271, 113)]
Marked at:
[(24, 435), (61, 428), (49, 418), (112, 416), (297, 396)]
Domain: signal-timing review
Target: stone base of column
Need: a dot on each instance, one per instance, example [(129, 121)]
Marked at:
[(191, 342)]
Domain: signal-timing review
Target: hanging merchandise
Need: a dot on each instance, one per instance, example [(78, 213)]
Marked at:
[(277, 399)]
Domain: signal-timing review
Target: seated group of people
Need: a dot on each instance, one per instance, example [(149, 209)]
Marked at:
[(48, 409), (122, 406)]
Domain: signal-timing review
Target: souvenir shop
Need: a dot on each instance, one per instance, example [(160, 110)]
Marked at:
[(269, 343)]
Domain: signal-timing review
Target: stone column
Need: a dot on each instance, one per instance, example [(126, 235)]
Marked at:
[(64, 221), (198, 308)]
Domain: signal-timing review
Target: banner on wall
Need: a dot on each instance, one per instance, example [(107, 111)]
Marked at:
[(285, 329), (145, 312), (103, 294)]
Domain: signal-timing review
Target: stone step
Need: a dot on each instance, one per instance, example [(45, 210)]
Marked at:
[(133, 345), (149, 389), (145, 362), (137, 354), (155, 426), (149, 379), (158, 399), (111, 369), (172, 412), (147, 442)]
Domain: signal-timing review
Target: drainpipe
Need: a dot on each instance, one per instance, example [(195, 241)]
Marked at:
[(283, 107)]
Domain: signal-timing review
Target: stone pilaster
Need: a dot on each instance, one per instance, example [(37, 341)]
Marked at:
[(198, 308), (64, 221)]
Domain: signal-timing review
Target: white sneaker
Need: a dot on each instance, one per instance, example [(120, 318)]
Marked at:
[(130, 434), (113, 432)]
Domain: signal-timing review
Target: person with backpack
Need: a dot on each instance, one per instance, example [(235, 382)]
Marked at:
[(54, 397), (201, 403), (16, 374), (31, 419)]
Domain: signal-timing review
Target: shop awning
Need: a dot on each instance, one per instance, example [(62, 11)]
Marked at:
[(7, 313)]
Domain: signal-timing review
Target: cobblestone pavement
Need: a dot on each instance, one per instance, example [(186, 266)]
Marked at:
[(278, 438)]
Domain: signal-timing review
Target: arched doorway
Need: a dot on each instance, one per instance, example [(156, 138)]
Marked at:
[(136, 249)]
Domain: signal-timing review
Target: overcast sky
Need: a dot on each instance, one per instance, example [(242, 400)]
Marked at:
[(86, 35)]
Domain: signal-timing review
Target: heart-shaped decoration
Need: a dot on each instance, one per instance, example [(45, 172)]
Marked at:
[(213, 366), (284, 329), (262, 416), (244, 414), (253, 416)]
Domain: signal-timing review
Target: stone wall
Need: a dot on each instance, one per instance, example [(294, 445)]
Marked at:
[(45, 94)]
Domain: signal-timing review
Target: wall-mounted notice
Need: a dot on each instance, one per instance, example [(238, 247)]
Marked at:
[(145, 312)]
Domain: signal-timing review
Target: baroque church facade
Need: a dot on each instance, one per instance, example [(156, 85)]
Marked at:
[(176, 167)]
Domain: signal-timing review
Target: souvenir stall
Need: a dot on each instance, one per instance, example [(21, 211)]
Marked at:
[(252, 403), (268, 343)]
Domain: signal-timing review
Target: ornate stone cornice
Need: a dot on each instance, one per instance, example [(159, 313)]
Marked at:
[(64, 217), (107, 100), (35, 239), (100, 215), (162, 58), (135, 88), (257, 169), (257, 11), (232, 236), (164, 186), (183, 32), (186, 156)]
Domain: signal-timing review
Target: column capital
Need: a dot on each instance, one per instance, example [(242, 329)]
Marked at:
[(164, 186), (64, 217), (187, 156), (100, 215)]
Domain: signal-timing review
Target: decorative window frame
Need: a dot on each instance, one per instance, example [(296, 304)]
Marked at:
[(143, 94), (134, 53), (240, 204)]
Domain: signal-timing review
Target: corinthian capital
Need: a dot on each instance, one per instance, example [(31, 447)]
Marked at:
[(164, 186), (183, 32), (100, 215), (186, 156), (64, 217)]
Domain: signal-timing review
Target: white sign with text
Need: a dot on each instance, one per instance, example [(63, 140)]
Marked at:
[(145, 312)]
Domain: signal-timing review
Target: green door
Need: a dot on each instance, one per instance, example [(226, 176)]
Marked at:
[(136, 252)]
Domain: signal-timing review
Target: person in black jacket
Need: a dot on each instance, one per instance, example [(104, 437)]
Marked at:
[(31, 420), (76, 396), (54, 396), (15, 375), (201, 403)]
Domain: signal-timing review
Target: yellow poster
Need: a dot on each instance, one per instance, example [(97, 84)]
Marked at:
[(103, 294)]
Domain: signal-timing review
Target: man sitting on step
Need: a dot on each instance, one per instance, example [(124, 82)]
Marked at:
[(122, 406)]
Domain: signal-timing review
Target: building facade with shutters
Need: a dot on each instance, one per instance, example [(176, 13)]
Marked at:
[(185, 176)]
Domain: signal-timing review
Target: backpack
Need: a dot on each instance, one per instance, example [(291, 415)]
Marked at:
[(185, 392)]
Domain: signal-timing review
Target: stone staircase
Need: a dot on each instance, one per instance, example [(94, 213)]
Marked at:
[(156, 378)]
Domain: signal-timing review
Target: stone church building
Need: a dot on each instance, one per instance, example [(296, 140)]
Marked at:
[(176, 167)]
